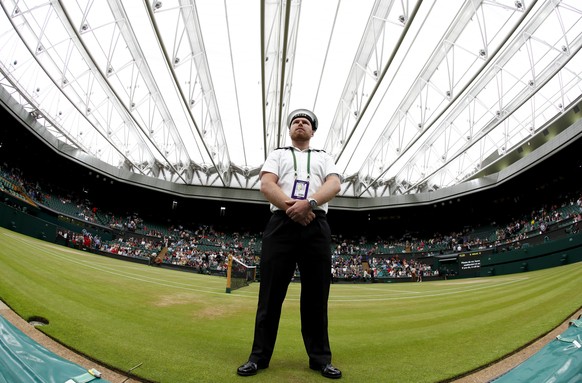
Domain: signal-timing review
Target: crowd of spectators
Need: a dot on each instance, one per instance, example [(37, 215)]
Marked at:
[(206, 249)]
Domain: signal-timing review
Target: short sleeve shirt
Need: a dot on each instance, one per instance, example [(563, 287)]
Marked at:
[(281, 163)]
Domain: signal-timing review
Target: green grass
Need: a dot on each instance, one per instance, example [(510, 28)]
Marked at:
[(183, 327)]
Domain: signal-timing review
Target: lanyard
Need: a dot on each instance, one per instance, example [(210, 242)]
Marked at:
[(308, 162)]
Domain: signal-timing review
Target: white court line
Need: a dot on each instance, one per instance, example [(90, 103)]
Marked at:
[(432, 294), (240, 293), (86, 263)]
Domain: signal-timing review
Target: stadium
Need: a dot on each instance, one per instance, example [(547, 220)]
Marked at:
[(132, 139)]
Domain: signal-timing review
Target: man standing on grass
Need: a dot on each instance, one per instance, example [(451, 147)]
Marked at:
[(298, 181)]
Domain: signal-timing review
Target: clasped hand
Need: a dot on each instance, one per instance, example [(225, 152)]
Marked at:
[(299, 212)]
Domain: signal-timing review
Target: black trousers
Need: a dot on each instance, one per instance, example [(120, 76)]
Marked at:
[(285, 245)]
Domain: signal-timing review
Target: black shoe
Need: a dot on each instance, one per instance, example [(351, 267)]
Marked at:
[(327, 370), (249, 369)]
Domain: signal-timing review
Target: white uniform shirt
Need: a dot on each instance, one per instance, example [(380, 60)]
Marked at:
[(280, 162)]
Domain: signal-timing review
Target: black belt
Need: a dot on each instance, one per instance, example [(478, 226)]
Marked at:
[(318, 213)]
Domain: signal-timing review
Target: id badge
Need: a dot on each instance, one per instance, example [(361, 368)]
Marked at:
[(300, 189)]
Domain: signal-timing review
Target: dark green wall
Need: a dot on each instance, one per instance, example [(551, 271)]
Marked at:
[(24, 218), (553, 253)]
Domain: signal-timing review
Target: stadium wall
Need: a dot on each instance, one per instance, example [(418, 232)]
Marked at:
[(42, 223), (539, 253)]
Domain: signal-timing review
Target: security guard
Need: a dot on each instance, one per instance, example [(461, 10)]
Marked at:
[(298, 181)]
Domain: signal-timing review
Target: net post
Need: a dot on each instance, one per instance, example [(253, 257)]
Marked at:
[(229, 274)]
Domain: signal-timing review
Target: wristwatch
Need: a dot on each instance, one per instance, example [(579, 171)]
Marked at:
[(312, 203)]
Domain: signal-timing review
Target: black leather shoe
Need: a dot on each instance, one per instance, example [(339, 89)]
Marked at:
[(327, 370), (248, 369)]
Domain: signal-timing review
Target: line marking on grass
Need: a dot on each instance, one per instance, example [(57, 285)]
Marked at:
[(57, 253), (391, 292), (431, 293)]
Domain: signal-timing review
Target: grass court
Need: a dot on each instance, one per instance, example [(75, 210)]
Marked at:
[(184, 328)]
